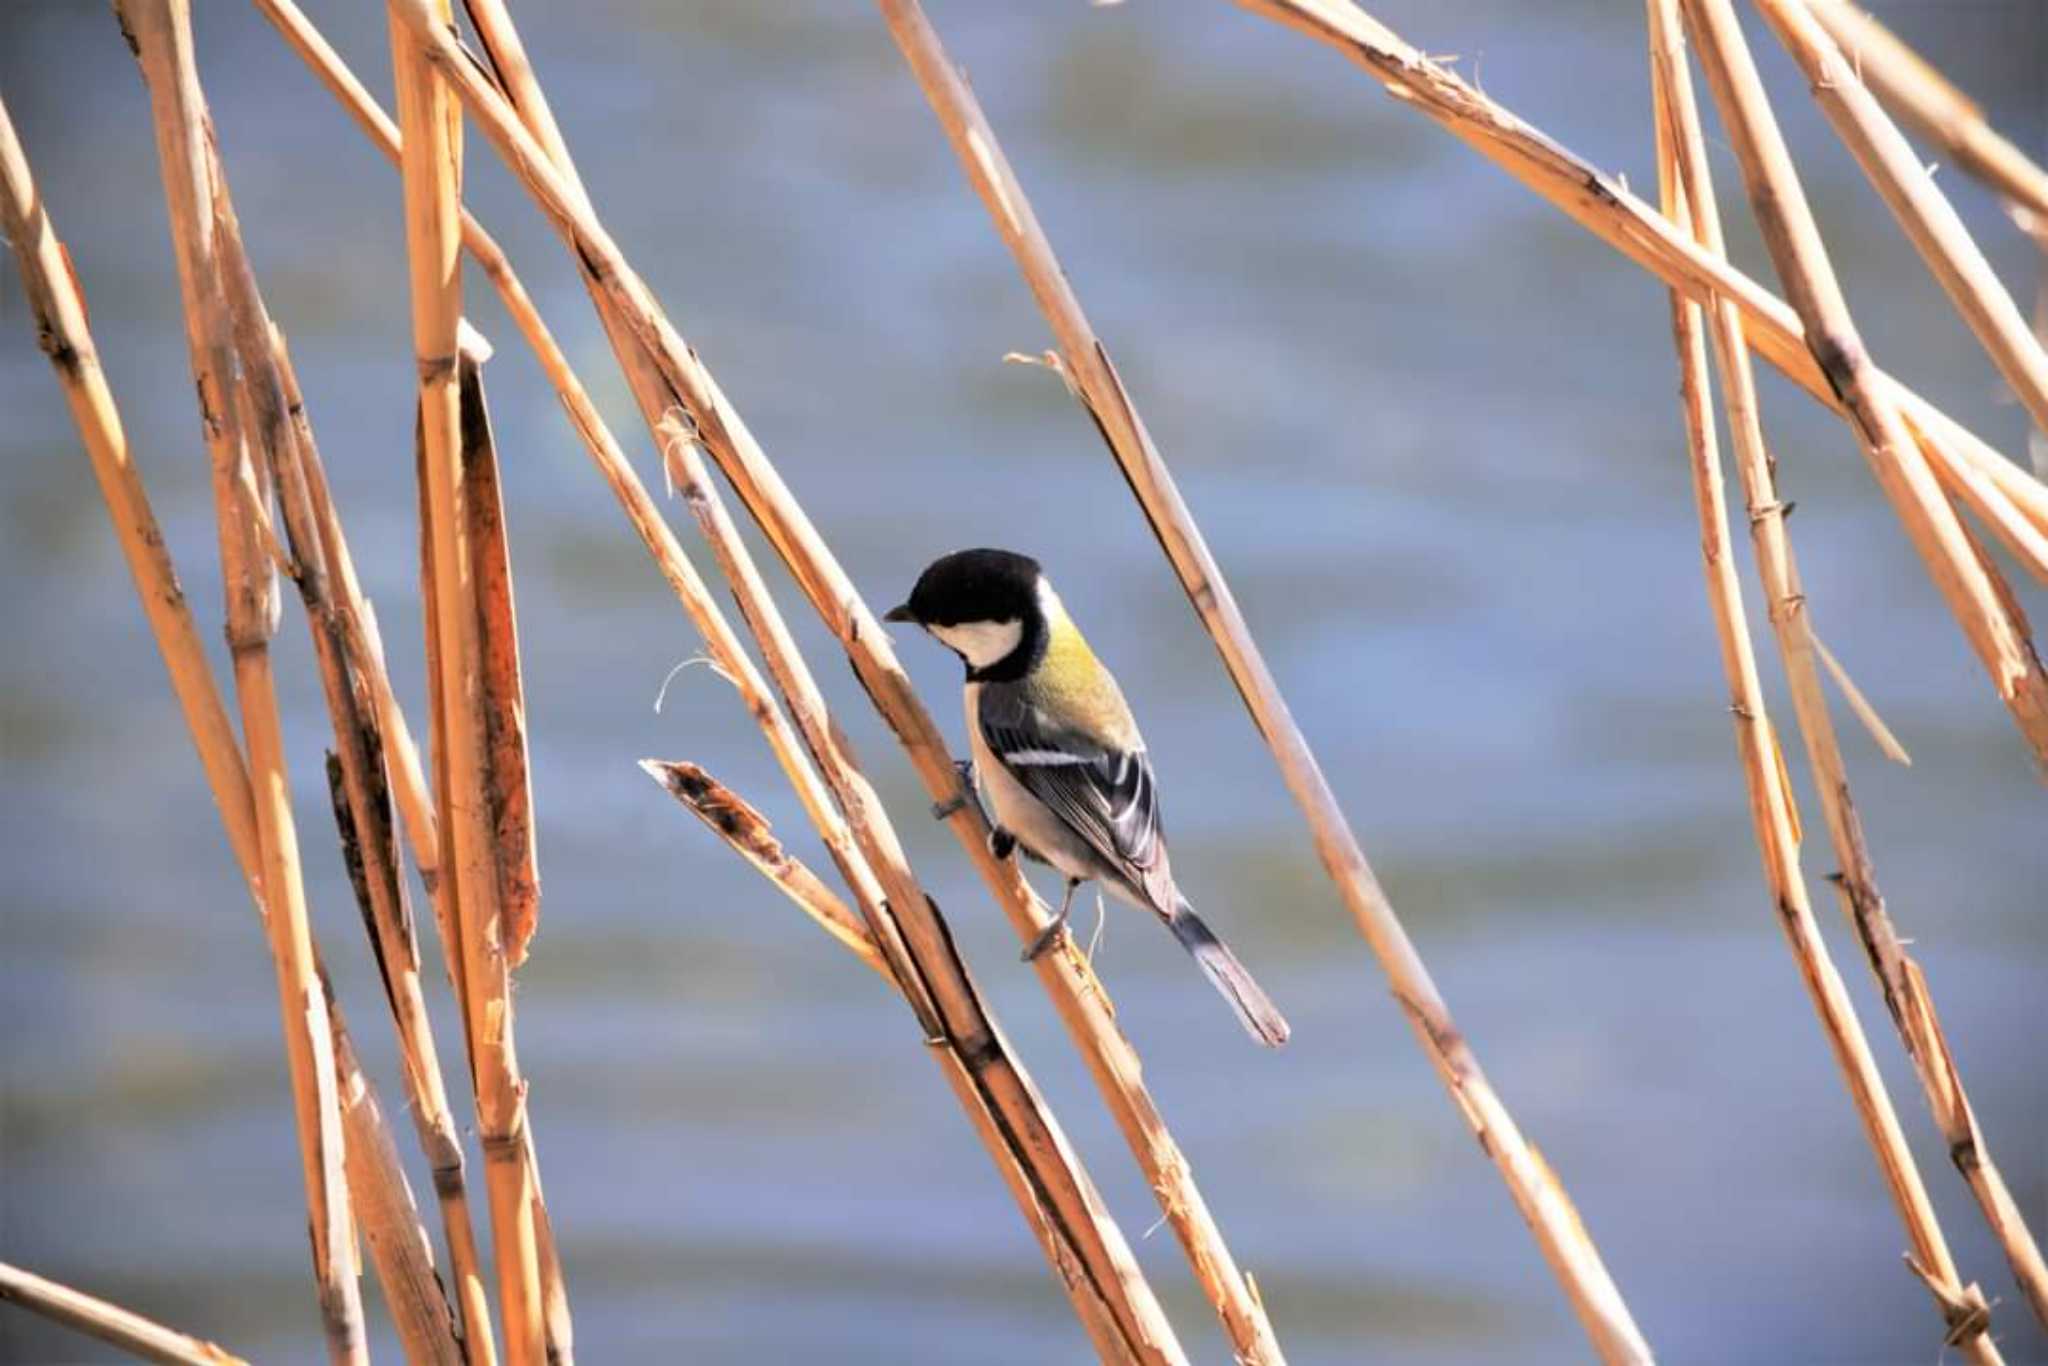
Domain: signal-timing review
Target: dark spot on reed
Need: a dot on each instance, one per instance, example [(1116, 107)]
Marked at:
[(1963, 1152)]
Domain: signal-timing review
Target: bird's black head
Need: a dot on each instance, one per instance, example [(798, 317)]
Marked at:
[(984, 605)]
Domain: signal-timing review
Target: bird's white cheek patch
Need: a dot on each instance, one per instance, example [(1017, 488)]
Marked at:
[(982, 643)]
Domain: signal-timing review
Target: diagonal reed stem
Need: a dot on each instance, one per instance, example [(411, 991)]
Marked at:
[(1607, 209), (1922, 96), (1922, 209), (110, 1323), (1086, 364), (388, 1218), (746, 831)]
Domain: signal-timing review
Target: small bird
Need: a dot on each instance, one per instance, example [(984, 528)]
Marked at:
[(1057, 752)]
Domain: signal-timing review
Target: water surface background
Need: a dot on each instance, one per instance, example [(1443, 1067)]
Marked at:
[(1429, 428)]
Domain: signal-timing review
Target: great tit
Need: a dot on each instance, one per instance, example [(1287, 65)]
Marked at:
[(1059, 756)]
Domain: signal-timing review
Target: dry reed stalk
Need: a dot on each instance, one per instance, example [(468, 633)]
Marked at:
[(1971, 487), (1688, 192), (389, 1220), (1608, 210), (58, 306), (747, 831), (159, 32), (471, 787), (60, 311), (1689, 198), (285, 436), (1921, 208), (1975, 592), (110, 1323), (394, 937), (1921, 95), (1086, 366), (669, 409)]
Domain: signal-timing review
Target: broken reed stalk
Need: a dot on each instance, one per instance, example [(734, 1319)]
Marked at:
[(284, 433), (1607, 209), (1093, 379), (59, 308), (1689, 188), (1919, 205), (160, 33), (1681, 172), (471, 788), (749, 835), (110, 1323), (1921, 95)]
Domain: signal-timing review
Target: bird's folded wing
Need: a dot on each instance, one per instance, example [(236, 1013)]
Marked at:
[(1103, 792)]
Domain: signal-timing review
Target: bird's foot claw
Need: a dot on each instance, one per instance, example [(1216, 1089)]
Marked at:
[(1047, 937), (1001, 843), (953, 805)]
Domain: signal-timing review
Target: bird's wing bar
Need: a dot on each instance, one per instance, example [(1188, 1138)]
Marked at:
[(1104, 793)]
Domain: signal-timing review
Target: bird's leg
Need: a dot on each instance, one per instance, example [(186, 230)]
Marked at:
[(963, 770), (1051, 932)]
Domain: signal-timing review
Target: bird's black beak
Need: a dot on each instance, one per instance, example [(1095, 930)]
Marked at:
[(902, 613)]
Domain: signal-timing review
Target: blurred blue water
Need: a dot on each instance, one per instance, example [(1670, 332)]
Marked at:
[(1428, 428)]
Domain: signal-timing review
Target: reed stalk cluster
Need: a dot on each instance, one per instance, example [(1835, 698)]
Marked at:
[(464, 815)]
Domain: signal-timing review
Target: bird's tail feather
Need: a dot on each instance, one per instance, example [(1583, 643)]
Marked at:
[(1229, 977)]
